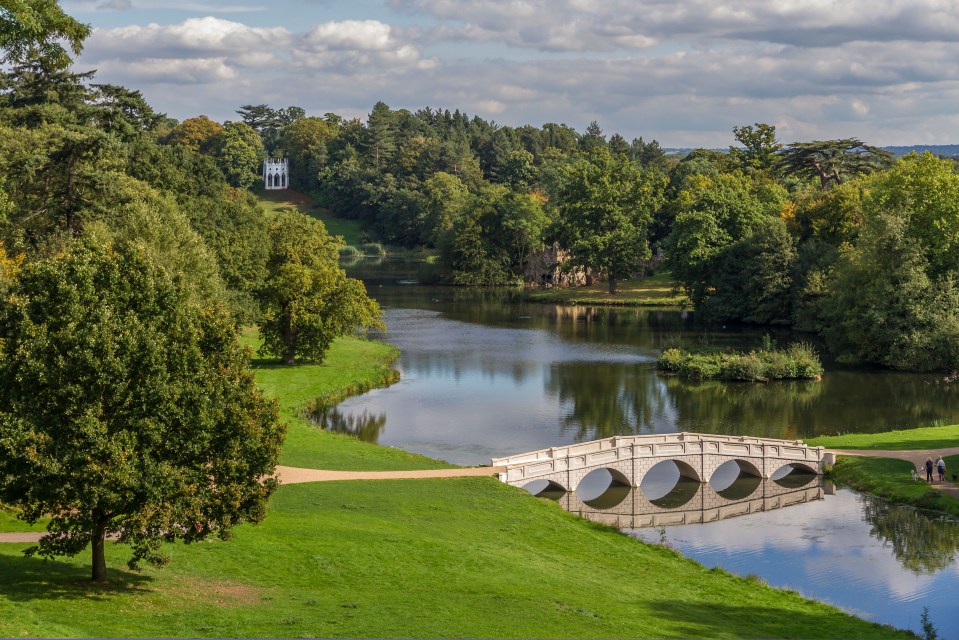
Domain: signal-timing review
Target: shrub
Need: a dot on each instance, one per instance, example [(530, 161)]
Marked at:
[(799, 361)]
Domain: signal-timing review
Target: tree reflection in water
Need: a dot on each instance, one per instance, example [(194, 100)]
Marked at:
[(365, 426), (921, 542), (608, 399)]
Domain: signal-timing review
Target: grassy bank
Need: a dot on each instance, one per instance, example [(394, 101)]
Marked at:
[(287, 199), (904, 440), (797, 362), (654, 291), (891, 478), (417, 558), (353, 365)]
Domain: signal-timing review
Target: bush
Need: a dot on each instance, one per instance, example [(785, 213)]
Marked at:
[(799, 361), (373, 249)]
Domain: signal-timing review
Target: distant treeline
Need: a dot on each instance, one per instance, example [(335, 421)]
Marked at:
[(835, 237)]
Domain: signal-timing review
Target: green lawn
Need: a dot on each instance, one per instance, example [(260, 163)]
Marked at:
[(415, 558), (908, 439), (352, 364), (420, 558), (656, 290), (288, 199)]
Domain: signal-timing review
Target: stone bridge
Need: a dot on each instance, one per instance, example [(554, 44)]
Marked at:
[(705, 505), (629, 458)]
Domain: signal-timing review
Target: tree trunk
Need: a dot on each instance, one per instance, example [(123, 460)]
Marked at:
[(612, 285), (99, 559), (289, 341)]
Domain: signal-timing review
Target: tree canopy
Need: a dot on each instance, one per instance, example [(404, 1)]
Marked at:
[(606, 207), (125, 408), (307, 299), (832, 161), (39, 25)]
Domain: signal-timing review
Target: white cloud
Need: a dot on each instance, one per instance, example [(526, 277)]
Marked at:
[(681, 71), (191, 37), (369, 47), (169, 71), (576, 25)]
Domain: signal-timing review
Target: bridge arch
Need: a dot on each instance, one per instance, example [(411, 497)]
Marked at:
[(544, 487)]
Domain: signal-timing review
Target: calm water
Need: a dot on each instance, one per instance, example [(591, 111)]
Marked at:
[(486, 375)]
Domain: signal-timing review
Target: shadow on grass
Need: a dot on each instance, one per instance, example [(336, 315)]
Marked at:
[(24, 579), (716, 620)]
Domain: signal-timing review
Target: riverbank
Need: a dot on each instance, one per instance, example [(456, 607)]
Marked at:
[(654, 291), (890, 477), (402, 558)]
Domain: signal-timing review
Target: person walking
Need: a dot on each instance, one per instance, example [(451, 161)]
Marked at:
[(929, 470), (941, 467)]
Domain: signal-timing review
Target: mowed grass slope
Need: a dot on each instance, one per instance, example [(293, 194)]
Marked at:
[(414, 558), (274, 201), (404, 558), (905, 440)]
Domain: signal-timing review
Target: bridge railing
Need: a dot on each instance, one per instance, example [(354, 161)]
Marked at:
[(618, 442)]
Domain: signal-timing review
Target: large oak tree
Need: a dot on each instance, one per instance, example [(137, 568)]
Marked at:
[(127, 408)]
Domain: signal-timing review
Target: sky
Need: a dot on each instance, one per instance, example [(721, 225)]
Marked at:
[(683, 72)]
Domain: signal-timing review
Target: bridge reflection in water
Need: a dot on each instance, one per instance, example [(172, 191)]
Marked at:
[(689, 502)]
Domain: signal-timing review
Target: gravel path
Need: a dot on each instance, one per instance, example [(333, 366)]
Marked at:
[(296, 475)]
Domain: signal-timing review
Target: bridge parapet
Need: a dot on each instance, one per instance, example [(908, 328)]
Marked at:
[(697, 455)]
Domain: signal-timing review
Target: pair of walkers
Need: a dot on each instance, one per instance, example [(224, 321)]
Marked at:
[(940, 466)]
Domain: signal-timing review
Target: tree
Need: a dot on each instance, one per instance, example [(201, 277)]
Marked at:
[(307, 299), (606, 207), (593, 139), (122, 112), (196, 134), (832, 161), (239, 152), (760, 145), (40, 25), (305, 143), (715, 211), (379, 137), (258, 116), (893, 298), (126, 409)]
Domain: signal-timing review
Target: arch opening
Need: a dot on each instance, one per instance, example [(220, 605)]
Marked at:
[(794, 476), (549, 489), (670, 484), (736, 479), (603, 488)]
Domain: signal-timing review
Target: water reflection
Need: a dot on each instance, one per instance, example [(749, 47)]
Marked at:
[(689, 502), (365, 425), (922, 542), (875, 560)]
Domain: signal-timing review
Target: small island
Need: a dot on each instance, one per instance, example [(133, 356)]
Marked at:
[(797, 362)]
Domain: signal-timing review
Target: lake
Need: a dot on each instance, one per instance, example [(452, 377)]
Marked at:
[(485, 374)]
